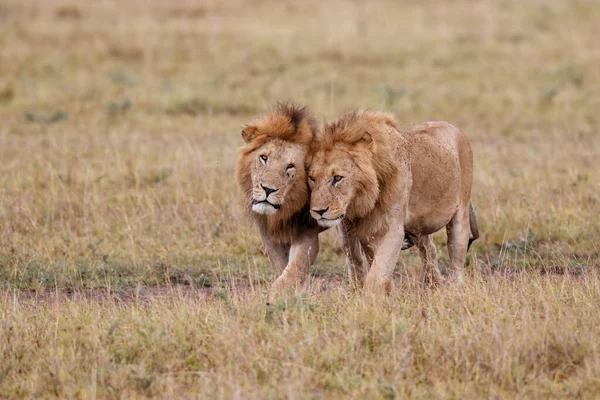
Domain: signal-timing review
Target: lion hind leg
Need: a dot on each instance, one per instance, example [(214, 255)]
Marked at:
[(428, 253), (459, 233)]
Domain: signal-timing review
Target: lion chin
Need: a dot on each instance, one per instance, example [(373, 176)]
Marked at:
[(329, 223), (264, 208)]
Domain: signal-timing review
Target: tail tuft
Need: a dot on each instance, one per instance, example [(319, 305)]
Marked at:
[(473, 224)]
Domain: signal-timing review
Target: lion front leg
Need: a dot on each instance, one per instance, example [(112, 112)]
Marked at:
[(303, 253), (351, 246), (277, 253), (387, 250)]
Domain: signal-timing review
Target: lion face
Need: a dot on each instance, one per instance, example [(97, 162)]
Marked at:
[(332, 180), (276, 172), (271, 166)]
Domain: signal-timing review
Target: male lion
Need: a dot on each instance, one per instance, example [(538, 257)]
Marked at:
[(377, 185), (272, 177)]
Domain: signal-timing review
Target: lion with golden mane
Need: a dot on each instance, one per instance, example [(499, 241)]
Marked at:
[(271, 174), (383, 189)]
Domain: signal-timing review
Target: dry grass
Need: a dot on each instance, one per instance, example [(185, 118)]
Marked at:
[(527, 335), (120, 123)]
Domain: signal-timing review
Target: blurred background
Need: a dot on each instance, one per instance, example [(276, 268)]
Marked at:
[(120, 123)]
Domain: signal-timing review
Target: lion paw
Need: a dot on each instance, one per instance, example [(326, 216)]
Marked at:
[(280, 288), (457, 278), (378, 286), (433, 279)]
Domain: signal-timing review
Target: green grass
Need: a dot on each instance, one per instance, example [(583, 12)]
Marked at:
[(120, 123)]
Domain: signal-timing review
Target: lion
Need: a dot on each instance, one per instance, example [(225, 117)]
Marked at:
[(384, 190), (271, 174)]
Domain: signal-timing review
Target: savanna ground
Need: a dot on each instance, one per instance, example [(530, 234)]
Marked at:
[(128, 270)]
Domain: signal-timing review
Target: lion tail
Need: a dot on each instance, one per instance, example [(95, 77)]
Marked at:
[(473, 224)]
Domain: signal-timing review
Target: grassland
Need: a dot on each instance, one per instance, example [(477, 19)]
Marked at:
[(127, 268)]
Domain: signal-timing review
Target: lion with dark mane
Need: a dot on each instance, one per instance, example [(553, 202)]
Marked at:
[(383, 189), (271, 175)]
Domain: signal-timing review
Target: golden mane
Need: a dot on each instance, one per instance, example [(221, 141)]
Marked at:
[(351, 127), (286, 121), (291, 123)]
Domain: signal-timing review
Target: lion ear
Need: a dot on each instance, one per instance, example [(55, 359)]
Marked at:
[(366, 140), (249, 133)]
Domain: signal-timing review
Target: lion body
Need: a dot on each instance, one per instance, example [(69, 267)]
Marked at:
[(387, 184), (272, 179), (442, 175)]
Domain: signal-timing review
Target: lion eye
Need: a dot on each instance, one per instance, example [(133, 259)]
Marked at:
[(312, 178), (290, 166), (264, 158), (337, 178)]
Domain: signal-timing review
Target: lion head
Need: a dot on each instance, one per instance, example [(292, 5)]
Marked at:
[(350, 163), (271, 165)]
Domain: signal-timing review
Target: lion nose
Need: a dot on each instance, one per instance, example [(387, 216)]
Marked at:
[(321, 211), (268, 190)]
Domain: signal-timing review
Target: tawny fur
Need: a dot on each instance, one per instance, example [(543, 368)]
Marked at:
[(377, 184)]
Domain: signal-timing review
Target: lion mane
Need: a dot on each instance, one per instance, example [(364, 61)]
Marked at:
[(378, 173), (291, 123)]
